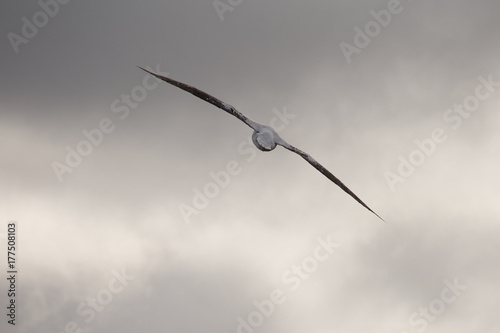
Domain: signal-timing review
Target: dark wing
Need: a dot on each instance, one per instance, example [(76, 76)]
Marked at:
[(327, 173), (206, 97)]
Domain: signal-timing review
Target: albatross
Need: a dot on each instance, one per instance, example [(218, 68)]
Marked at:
[(265, 138)]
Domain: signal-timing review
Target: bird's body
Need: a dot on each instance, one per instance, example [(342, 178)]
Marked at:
[(265, 138)]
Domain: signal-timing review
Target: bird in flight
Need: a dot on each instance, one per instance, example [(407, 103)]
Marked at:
[(264, 137)]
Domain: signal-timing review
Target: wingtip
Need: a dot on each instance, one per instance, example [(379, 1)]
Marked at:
[(146, 70), (376, 214), (379, 217)]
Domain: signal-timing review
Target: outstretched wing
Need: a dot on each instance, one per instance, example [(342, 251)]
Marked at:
[(206, 97), (324, 171)]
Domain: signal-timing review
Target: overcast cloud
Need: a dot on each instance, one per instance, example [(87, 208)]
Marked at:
[(142, 208)]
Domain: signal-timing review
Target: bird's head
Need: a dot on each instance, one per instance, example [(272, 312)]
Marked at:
[(264, 139)]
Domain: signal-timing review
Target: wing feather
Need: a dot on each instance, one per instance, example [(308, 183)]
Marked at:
[(327, 173), (206, 97)]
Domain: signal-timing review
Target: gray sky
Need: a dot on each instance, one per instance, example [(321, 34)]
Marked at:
[(118, 238)]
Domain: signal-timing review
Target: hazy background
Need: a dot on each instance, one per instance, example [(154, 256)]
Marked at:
[(120, 207)]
